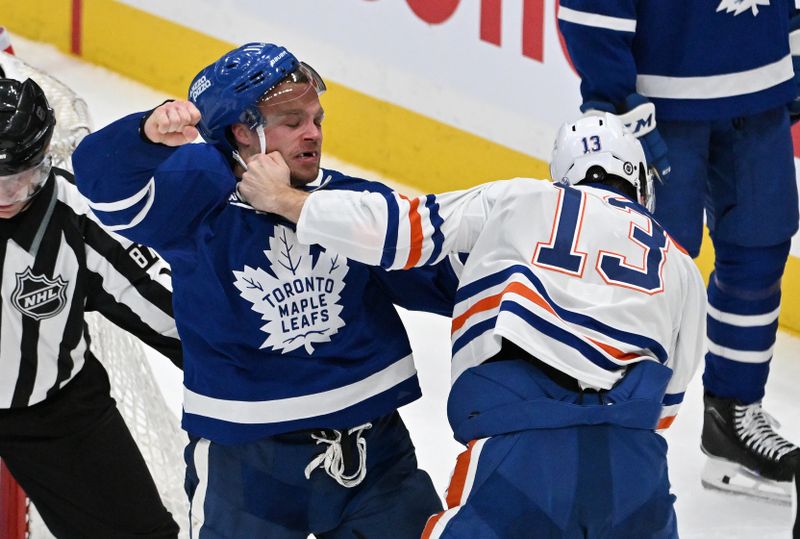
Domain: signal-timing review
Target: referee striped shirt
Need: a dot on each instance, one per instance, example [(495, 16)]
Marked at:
[(57, 264)]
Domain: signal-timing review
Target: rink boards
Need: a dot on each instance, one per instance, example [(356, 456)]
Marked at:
[(446, 122)]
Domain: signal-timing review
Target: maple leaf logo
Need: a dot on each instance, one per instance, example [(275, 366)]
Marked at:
[(299, 300), (740, 6)]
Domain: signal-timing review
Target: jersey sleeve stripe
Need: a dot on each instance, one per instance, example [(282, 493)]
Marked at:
[(106, 211), (436, 221), (125, 293), (125, 203), (392, 213), (415, 226), (596, 20)]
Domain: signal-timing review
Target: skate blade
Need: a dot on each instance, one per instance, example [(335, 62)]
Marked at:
[(733, 478)]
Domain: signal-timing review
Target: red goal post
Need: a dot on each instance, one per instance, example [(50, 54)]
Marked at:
[(13, 507)]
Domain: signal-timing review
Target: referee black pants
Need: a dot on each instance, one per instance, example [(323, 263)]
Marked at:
[(76, 460)]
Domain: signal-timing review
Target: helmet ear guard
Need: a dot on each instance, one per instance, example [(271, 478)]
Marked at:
[(601, 141)]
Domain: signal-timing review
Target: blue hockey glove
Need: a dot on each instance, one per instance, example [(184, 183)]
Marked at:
[(794, 44)]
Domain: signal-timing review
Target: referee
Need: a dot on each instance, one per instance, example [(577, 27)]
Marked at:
[(61, 435)]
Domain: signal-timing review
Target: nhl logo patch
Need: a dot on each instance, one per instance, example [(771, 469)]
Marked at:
[(37, 296)]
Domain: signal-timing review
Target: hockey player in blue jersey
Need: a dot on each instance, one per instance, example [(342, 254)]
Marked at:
[(578, 325), (705, 85), (295, 358)]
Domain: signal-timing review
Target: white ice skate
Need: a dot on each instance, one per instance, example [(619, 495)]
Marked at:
[(734, 478)]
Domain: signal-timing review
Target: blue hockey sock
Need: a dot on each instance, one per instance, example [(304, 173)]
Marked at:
[(743, 304)]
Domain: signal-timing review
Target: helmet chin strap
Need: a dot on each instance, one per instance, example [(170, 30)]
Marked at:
[(262, 139), (262, 146), (238, 159)]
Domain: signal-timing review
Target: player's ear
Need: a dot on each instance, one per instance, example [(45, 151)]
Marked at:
[(242, 135)]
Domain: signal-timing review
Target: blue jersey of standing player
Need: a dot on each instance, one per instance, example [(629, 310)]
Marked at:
[(679, 54), (278, 336)]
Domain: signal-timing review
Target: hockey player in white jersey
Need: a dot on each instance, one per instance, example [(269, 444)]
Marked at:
[(577, 327)]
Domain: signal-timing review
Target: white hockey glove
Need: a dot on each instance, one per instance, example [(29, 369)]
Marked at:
[(640, 118)]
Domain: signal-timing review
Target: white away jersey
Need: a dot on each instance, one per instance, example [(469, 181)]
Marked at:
[(581, 278)]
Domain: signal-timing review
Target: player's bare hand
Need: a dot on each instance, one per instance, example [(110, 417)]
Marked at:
[(266, 176), (173, 123), (266, 186)]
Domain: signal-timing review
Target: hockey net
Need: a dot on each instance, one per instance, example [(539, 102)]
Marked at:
[(139, 398)]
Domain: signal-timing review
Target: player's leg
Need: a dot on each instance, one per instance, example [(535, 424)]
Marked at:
[(471, 511), (752, 218), (554, 483), (681, 199), (280, 487), (642, 506), (240, 490), (76, 460), (396, 497)]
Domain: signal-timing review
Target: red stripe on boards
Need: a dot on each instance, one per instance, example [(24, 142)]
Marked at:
[(77, 27)]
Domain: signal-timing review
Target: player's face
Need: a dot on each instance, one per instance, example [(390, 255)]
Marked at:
[(10, 210), (293, 126), (16, 190)]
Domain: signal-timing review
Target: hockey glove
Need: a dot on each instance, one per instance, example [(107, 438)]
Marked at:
[(794, 45), (640, 119)]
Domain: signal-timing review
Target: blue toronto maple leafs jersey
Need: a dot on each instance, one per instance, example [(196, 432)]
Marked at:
[(695, 59), (277, 336)]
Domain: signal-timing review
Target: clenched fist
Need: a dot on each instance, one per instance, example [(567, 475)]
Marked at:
[(173, 123)]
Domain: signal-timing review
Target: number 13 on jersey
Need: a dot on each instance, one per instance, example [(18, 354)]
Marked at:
[(561, 252)]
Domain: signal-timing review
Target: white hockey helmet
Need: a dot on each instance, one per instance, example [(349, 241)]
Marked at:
[(599, 145)]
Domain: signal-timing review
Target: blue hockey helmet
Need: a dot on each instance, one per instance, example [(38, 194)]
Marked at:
[(229, 90)]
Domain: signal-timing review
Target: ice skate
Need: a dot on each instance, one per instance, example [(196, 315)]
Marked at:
[(745, 454)]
